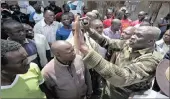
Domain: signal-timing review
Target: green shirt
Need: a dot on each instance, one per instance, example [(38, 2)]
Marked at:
[(25, 85)]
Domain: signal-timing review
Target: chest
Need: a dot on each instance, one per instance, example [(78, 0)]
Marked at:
[(27, 87)]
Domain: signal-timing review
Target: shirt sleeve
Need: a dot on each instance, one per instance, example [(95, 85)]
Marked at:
[(37, 70), (37, 29), (136, 72), (107, 43), (47, 47), (88, 81), (58, 36)]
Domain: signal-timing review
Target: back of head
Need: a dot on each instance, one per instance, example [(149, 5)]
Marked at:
[(8, 24), (59, 46), (116, 21), (119, 14), (152, 32), (96, 21), (96, 12), (8, 46), (91, 15)]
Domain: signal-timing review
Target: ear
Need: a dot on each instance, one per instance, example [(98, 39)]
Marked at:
[(57, 54), (151, 42)]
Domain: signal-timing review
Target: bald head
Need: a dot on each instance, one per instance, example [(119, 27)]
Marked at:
[(153, 31), (91, 15), (96, 21), (119, 14), (96, 12), (97, 25), (59, 46), (144, 37), (63, 51), (141, 15), (127, 32), (116, 23)]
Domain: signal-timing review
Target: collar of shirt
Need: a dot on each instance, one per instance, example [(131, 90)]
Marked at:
[(161, 43), (58, 63), (25, 41), (128, 52), (44, 24)]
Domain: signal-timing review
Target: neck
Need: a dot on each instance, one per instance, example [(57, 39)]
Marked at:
[(167, 42), (136, 49), (113, 30), (62, 61), (47, 22), (7, 79), (19, 41), (66, 26)]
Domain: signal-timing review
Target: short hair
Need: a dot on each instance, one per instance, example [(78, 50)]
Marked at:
[(14, 5), (64, 14), (48, 8), (64, 5), (8, 46), (4, 5), (7, 23), (32, 2)]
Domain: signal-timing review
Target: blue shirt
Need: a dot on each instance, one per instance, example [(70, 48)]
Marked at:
[(62, 33)]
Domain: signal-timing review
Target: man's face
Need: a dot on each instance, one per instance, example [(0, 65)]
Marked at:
[(98, 26), (127, 33), (66, 8), (37, 8), (17, 32), (68, 53), (71, 16), (29, 32), (116, 26), (49, 16), (140, 39), (15, 9), (85, 10), (166, 36), (141, 16), (66, 20), (17, 62), (109, 14)]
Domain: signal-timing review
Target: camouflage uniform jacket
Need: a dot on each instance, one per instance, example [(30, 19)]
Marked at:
[(132, 70)]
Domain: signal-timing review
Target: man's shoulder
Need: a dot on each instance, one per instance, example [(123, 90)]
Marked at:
[(39, 24), (48, 67), (159, 42), (37, 35), (152, 57)]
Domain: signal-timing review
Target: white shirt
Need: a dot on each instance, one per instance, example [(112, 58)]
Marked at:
[(37, 17), (162, 47), (30, 9), (49, 31), (42, 46)]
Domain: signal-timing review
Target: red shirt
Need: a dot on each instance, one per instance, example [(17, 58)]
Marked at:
[(107, 23), (136, 22), (126, 23), (58, 16)]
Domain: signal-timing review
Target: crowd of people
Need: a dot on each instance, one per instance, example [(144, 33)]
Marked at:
[(118, 58)]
